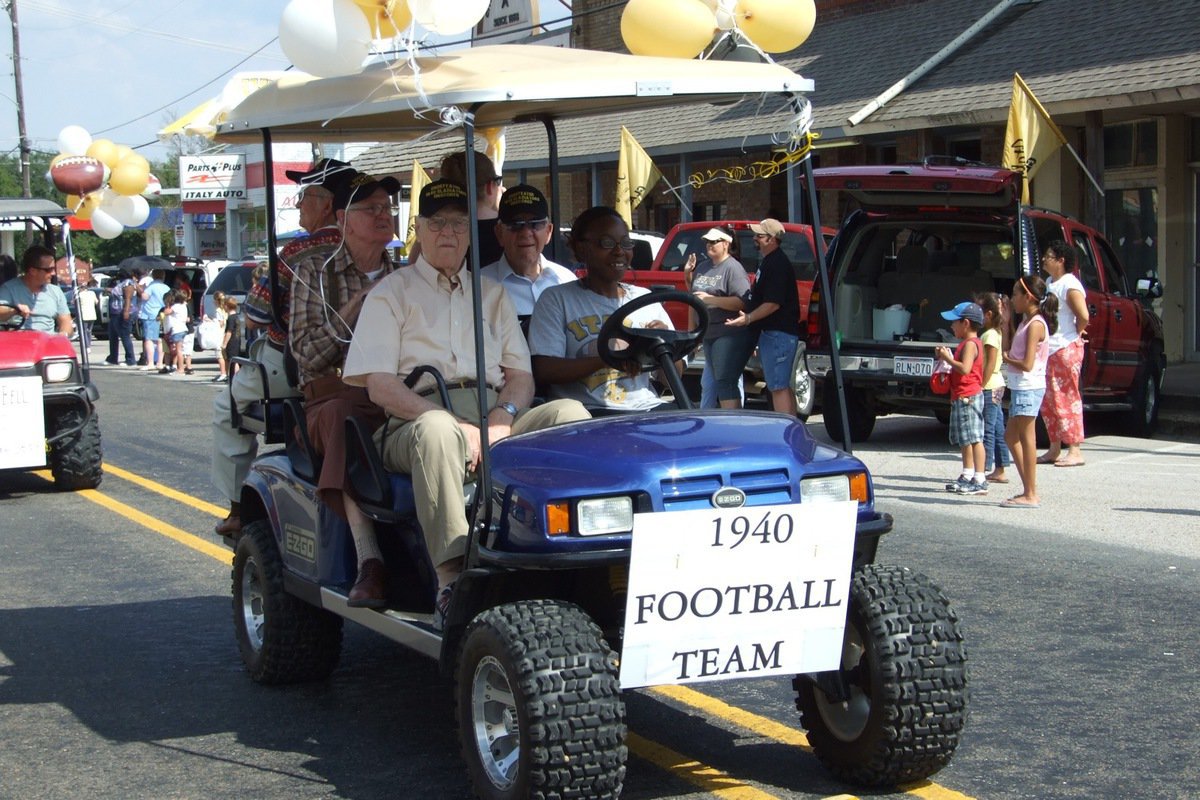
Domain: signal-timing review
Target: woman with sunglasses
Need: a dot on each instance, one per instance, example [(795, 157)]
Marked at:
[(720, 282)]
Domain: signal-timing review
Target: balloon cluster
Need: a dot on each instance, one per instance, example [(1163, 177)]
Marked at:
[(683, 28), (104, 182), (333, 37)]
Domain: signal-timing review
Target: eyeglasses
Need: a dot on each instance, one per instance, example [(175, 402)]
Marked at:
[(1052, 257), (43, 269), (608, 243), (311, 190), (456, 224), (534, 225), (763, 236), (375, 209)]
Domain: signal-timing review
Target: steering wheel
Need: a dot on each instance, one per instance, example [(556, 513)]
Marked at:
[(647, 346)]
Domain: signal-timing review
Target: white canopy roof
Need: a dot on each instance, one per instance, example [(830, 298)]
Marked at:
[(503, 84)]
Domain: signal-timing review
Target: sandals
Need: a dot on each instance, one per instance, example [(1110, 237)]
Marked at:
[(1067, 463), (1017, 502)]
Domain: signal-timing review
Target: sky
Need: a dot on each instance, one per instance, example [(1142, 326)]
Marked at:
[(124, 69)]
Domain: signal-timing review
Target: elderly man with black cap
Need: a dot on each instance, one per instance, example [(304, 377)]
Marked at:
[(327, 295), (233, 450), (423, 315), (523, 230), (773, 310)]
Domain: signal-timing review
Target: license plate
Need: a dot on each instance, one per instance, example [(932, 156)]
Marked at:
[(912, 367)]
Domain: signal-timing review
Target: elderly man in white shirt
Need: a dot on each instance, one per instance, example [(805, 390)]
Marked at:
[(523, 230)]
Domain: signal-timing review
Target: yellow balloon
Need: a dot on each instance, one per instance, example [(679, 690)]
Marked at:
[(84, 207), (776, 26), (673, 28), (129, 177), (104, 151), (136, 159), (386, 17), (122, 151)]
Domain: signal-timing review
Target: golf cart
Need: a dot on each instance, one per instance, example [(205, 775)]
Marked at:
[(48, 398), (629, 550)]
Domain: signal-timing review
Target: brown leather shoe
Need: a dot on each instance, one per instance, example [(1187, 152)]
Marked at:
[(230, 526), (371, 588)]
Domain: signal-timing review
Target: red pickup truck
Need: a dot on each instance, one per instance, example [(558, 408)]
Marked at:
[(666, 272)]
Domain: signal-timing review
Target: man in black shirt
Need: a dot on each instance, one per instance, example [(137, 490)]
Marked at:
[(774, 312)]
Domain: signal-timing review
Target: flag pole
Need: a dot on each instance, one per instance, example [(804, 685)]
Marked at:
[(1083, 167)]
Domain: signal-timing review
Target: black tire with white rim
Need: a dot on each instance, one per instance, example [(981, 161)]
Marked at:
[(904, 666), (282, 639), (538, 704), (802, 384)]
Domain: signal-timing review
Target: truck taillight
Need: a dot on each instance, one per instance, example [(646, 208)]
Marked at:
[(815, 333)]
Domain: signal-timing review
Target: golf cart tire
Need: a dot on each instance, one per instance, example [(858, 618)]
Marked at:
[(538, 703), (76, 462), (905, 663), (282, 639)]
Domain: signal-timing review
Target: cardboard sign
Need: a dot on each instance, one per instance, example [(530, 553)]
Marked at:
[(737, 593), (24, 441)]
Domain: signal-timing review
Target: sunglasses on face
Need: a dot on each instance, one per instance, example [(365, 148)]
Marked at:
[(608, 243), (534, 225)]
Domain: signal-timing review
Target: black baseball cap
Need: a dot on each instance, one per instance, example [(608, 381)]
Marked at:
[(361, 186), (441, 194), (328, 173), (523, 199)]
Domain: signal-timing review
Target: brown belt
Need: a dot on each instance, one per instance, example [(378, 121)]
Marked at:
[(323, 387), (458, 383)]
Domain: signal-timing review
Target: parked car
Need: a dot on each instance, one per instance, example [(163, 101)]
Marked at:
[(193, 271), (924, 238), (666, 272), (234, 280)]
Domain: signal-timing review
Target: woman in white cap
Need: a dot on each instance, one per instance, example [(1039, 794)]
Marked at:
[(720, 282)]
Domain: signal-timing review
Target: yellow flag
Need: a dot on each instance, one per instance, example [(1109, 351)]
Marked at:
[(636, 173), (1031, 136), (420, 178), (496, 146)]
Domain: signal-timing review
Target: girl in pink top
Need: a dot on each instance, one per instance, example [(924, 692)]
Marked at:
[(1025, 376)]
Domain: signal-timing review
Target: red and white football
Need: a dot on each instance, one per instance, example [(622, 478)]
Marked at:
[(77, 175)]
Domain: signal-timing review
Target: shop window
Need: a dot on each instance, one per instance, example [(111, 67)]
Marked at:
[(1131, 219), (1133, 144)]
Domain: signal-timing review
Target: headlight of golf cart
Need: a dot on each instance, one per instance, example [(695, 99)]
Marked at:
[(832, 488), (58, 371), (604, 515), (825, 489)]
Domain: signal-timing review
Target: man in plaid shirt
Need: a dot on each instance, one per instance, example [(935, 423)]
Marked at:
[(233, 449), (327, 296)]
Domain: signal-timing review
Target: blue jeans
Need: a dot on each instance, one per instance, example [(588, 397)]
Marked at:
[(994, 449), (777, 351), (724, 358), (121, 329), (708, 388)]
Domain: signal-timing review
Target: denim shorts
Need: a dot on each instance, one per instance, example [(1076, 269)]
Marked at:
[(178, 337), (777, 351), (1025, 402), (151, 329)]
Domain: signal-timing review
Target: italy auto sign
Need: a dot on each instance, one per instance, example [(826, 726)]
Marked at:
[(220, 177)]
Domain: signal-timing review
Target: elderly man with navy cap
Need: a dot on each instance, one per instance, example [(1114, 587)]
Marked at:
[(523, 230), (424, 315)]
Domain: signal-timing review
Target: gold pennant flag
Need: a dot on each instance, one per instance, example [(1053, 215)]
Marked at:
[(420, 179), (636, 174), (1031, 136)]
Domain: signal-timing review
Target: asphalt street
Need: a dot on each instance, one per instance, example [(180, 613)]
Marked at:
[(120, 678)]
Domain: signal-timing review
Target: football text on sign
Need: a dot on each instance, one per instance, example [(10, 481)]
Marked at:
[(743, 592)]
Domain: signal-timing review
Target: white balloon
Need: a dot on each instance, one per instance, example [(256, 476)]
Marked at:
[(448, 17), (129, 210), (74, 140), (325, 37), (105, 225)]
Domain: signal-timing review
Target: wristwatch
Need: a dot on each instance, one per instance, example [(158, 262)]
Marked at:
[(509, 407)]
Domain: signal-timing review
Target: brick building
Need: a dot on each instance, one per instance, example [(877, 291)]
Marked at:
[(1120, 77)]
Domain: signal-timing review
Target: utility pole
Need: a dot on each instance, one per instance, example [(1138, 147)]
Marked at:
[(24, 143)]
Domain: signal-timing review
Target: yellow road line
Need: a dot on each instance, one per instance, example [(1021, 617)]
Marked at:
[(706, 778), (204, 546), (165, 491), (769, 728)]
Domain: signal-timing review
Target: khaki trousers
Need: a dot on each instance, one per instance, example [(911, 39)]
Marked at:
[(233, 451), (433, 449)]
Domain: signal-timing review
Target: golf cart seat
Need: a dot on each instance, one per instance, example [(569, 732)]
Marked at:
[(384, 496), (305, 460), (264, 416)]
